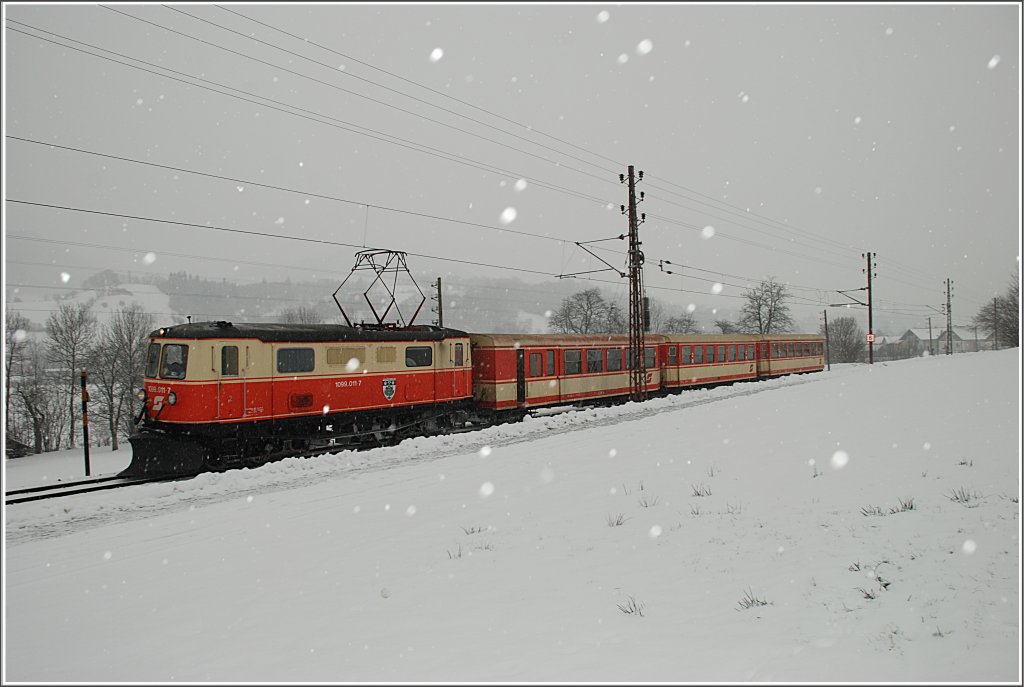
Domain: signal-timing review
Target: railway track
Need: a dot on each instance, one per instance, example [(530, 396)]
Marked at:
[(84, 486)]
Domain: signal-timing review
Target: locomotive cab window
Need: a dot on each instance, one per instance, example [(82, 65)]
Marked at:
[(153, 360), (295, 360), (672, 355), (229, 361), (419, 356), (175, 359), (459, 357)]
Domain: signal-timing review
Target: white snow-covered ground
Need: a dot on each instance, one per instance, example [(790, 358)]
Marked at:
[(764, 530)]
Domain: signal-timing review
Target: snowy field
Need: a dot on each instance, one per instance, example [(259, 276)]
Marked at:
[(856, 525)]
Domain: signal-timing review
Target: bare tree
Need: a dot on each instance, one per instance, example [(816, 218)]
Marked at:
[(15, 340), (71, 330), (765, 311), (117, 362), (584, 312), (683, 324), (618, 319), (845, 340), (301, 315), (37, 394), (1001, 316), (656, 314), (727, 327)]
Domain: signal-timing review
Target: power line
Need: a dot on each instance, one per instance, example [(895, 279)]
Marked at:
[(422, 148), (404, 143), (250, 182)]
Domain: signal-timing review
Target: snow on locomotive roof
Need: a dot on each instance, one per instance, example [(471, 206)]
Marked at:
[(280, 332)]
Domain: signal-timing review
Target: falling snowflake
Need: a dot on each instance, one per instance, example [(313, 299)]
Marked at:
[(508, 215), (716, 288), (856, 120), (436, 54), (486, 489), (643, 47), (623, 58), (655, 532), (65, 277), (888, 31), (352, 365), (840, 459), (707, 232), (521, 185), (691, 307), (993, 62), (602, 16), (969, 547), (411, 510), (149, 258), (485, 451)]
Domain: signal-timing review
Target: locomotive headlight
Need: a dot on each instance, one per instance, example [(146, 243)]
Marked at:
[(141, 394), (172, 398)]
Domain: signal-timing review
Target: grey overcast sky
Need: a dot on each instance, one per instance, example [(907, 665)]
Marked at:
[(776, 140)]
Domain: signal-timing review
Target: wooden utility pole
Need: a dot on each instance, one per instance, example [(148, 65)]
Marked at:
[(871, 331), (828, 351), (85, 423), (638, 373), (949, 316)]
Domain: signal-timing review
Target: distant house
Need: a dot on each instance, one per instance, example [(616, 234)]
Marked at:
[(917, 341), (963, 339), (971, 339)]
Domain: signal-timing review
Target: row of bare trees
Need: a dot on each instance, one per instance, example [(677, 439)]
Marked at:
[(42, 374), (765, 311)]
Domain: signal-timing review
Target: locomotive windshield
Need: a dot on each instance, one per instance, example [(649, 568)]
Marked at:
[(174, 360), (152, 359)]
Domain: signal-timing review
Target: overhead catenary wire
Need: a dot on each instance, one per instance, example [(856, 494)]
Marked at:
[(398, 141), (523, 175)]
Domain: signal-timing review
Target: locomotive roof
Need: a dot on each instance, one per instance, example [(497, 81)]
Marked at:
[(280, 332)]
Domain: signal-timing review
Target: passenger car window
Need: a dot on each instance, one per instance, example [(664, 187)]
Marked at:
[(595, 360), (536, 364), (614, 359), (573, 362)]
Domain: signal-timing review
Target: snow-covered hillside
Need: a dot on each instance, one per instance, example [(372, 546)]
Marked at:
[(861, 524)]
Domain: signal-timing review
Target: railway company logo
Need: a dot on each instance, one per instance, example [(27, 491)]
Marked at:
[(389, 388)]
